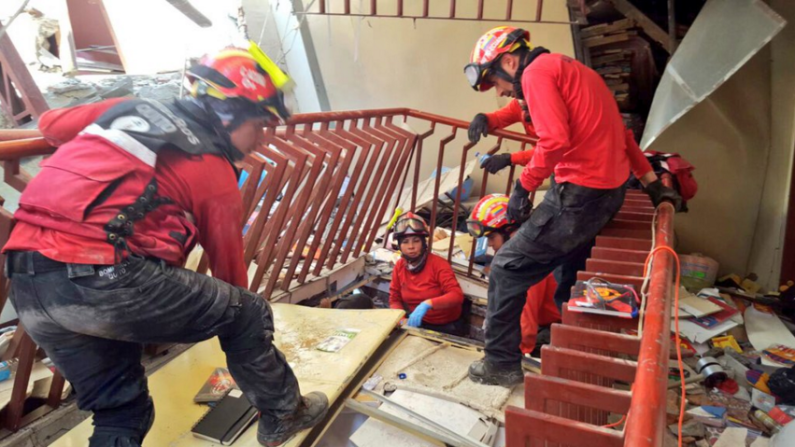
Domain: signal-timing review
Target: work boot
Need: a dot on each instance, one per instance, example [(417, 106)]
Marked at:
[(483, 371), (311, 411)]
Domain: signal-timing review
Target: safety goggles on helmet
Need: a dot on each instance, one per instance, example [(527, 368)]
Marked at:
[(410, 225), (478, 74), (476, 228)]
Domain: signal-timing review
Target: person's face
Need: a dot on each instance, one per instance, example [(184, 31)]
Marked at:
[(509, 64), (249, 135), (411, 246), (495, 240)]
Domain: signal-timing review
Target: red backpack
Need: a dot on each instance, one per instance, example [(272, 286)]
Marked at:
[(680, 169)]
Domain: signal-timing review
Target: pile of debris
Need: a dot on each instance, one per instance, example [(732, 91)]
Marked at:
[(739, 363), (76, 91)]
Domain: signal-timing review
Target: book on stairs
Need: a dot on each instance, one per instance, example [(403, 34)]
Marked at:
[(604, 298), (225, 422)]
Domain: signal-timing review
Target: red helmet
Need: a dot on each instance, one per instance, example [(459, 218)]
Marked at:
[(410, 224), (235, 73), (490, 215), (490, 46)]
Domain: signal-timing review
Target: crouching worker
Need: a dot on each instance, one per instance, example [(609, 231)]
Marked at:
[(424, 284), (103, 231), (489, 219)]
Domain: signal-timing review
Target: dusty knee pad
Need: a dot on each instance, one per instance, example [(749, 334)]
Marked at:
[(252, 329)]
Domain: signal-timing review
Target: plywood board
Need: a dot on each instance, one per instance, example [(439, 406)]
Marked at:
[(443, 373), (452, 416), (298, 331)]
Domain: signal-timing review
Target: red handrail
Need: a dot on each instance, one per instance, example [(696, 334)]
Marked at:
[(646, 418)]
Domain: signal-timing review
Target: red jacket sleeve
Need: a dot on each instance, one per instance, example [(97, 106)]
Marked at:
[(218, 209), (453, 295), (58, 126), (551, 120), (395, 298), (637, 161), (504, 117), (522, 158)]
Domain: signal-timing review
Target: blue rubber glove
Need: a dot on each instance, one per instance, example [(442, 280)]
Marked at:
[(415, 319)]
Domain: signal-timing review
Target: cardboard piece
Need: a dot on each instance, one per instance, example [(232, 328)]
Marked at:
[(298, 331), (448, 181), (696, 306), (732, 437), (698, 334), (766, 330)]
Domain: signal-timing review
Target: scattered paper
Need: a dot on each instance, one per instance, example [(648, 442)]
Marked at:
[(762, 400), (766, 330), (698, 334), (337, 341), (761, 442), (696, 306), (732, 437)]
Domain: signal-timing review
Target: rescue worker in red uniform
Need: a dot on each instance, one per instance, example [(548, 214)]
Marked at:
[(424, 284), (103, 231), (582, 141), (515, 112), (488, 219)]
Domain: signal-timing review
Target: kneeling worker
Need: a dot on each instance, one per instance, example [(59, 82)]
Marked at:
[(423, 284), (489, 219), (103, 230)]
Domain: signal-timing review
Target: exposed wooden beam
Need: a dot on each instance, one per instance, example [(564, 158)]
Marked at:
[(649, 27)]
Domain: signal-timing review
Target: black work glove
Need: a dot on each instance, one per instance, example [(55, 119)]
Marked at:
[(519, 205), (479, 126), (496, 163), (659, 193)]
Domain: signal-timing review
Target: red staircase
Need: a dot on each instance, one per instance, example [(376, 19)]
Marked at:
[(568, 404)]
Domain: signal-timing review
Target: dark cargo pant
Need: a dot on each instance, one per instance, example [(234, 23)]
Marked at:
[(92, 321), (560, 232)]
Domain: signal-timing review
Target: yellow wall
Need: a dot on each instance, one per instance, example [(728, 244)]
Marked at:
[(403, 63), (767, 250)]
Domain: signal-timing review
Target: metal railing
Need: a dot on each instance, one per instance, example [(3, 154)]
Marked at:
[(492, 11), (331, 182)]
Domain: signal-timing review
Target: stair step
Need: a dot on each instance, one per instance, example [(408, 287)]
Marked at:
[(586, 340), (528, 427), (540, 390), (623, 243), (568, 364), (615, 267), (617, 254)]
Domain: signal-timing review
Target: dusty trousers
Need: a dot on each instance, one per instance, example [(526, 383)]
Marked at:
[(560, 231), (93, 320)]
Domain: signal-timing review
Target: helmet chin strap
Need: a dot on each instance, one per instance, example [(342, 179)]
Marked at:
[(526, 57)]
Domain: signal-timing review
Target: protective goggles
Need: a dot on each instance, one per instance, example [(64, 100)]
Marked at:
[(478, 75), (410, 226), (477, 229)]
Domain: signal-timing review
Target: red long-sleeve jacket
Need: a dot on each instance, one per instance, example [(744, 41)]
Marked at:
[(436, 282), (581, 137), (202, 187)]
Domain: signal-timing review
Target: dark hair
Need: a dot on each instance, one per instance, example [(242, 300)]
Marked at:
[(355, 301)]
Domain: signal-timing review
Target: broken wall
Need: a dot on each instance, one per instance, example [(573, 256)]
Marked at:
[(382, 62), (767, 249), (727, 138)]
